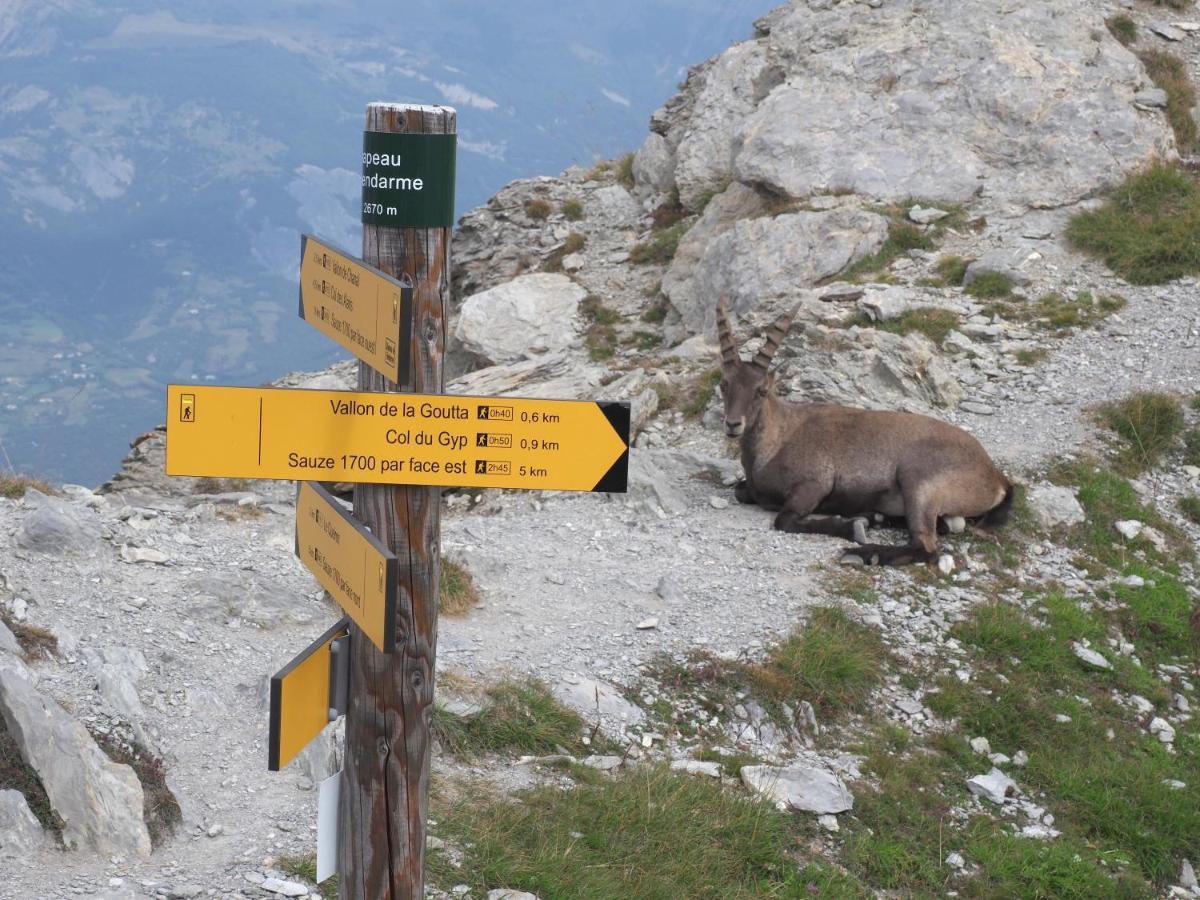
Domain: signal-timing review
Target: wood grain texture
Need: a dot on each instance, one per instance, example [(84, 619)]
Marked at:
[(385, 781)]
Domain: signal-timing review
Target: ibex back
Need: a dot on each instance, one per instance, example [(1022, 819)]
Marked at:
[(851, 465)]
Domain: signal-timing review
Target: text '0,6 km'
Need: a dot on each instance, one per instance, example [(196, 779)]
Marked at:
[(503, 442)]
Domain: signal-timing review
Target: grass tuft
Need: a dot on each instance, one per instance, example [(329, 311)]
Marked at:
[(35, 642), (650, 834), (521, 717), (1123, 28), (537, 209), (990, 285), (209, 485), (1190, 507), (624, 169), (1148, 422), (13, 487), (458, 594), (660, 249), (600, 336), (932, 321), (951, 270), (1170, 73), (1149, 230), (902, 237), (572, 210)]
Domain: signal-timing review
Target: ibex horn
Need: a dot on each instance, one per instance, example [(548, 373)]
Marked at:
[(775, 335), (729, 353)]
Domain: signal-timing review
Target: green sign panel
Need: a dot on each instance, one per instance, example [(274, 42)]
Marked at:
[(408, 180)]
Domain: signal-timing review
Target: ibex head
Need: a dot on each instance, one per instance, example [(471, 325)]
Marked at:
[(743, 385)]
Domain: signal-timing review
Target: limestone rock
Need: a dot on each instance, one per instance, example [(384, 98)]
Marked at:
[(994, 786), (704, 137), (507, 894), (8, 641), (1090, 656), (654, 165), (1010, 263), (56, 527), (1053, 506), (763, 259), (1028, 104), (887, 303), (99, 801), (799, 787), (20, 832), (523, 318), (597, 701)]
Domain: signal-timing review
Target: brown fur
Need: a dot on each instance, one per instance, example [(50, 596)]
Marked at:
[(849, 464)]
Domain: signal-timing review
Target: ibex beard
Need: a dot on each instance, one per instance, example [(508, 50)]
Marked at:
[(836, 469)]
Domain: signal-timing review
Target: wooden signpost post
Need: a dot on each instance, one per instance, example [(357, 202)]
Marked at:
[(399, 441)]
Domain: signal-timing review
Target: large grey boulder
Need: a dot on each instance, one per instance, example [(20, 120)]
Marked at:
[(1054, 506), (799, 787), (763, 259), (1025, 104), (20, 831), (654, 166), (55, 527), (99, 801), (524, 318)]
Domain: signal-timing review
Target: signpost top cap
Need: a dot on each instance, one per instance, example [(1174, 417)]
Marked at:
[(411, 107)]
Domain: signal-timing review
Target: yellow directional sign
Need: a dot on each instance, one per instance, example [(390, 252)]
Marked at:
[(349, 562), (503, 442), (367, 312), (300, 693)]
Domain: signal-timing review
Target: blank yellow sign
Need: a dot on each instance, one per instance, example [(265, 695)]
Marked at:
[(300, 699), (502, 442)]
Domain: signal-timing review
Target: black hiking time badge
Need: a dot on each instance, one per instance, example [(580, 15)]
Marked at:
[(408, 180)]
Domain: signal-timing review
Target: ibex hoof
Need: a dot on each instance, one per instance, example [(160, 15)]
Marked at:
[(859, 530)]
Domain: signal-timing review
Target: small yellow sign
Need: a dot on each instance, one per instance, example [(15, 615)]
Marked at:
[(367, 312), (187, 408), (349, 562), (561, 445), (300, 699)]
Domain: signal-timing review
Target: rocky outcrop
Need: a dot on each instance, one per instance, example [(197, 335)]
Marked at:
[(757, 260), (98, 800), (1025, 105), (20, 831)]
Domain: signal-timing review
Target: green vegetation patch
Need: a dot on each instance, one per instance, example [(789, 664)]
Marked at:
[(209, 485), (831, 661), (1091, 761), (1170, 73), (990, 285), (1056, 314), (1190, 507), (1149, 230), (537, 209), (457, 592), (951, 270), (572, 210), (624, 171), (600, 336), (1123, 28), (932, 321), (518, 717), (669, 213), (649, 834), (661, 247), (902, 237), (1148, 423)]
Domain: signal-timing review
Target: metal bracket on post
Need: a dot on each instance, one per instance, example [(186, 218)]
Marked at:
[(339, 677)]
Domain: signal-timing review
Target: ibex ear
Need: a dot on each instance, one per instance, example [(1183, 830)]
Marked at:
[(766, 386)]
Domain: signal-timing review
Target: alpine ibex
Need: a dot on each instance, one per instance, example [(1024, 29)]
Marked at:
[(850, 464)]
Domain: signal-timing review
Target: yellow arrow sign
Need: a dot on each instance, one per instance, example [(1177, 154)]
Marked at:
[(367, 312), (300, 699), (502, 442), (349, 562)]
